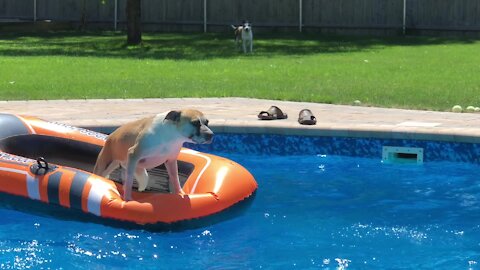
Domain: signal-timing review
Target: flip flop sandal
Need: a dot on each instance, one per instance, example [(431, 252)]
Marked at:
[(272, 114), (305, 117)]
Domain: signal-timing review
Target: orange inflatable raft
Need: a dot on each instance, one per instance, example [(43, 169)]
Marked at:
[(52, 162)]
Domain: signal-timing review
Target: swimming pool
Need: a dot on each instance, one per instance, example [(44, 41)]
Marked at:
[(326, 206)]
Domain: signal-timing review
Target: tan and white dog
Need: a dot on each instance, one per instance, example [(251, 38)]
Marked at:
[(150, 142), (244, 35)]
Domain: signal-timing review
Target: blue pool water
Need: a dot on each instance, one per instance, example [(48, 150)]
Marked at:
[(315, 211)]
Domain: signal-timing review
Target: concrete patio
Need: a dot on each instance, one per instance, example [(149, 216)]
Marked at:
[(239, 115)]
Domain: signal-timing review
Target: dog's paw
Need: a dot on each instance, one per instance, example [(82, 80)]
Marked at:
[(142, 188), (182, 193)]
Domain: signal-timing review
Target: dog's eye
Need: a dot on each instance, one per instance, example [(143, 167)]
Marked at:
[(206, 123), (196, 123)]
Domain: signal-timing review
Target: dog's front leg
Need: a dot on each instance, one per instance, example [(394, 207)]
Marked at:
[(172, 169)]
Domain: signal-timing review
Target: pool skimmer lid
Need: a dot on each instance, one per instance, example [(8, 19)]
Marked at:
[(397, 154)]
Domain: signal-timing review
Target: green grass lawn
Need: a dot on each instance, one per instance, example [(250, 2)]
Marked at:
[(404, 72)]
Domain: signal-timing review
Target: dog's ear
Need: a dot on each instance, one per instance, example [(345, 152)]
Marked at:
[(173, 116)]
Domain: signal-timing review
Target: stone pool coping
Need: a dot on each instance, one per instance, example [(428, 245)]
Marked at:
[(239, 115)]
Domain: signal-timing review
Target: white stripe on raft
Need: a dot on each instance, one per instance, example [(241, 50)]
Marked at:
[(196, 153), (33, 188), (95, 196), (27, 124)]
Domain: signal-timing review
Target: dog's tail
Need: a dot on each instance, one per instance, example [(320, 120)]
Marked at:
[(233, 27)]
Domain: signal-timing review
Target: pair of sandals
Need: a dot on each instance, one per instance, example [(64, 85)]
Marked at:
[(305, 117)]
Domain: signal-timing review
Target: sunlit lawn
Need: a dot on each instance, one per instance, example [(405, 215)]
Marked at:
[(406, 72)]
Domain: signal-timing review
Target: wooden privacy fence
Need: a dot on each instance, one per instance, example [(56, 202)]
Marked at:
[(209, 15)]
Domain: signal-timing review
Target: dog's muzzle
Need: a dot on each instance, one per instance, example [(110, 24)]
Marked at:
[(208, 138), (203, 136)]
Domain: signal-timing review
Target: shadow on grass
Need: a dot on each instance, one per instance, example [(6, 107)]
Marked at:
[(197, 46)]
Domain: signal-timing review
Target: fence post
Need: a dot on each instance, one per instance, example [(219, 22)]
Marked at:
[(300, 15), (204, 16), (34, 10), (115, 18), (404, 27)]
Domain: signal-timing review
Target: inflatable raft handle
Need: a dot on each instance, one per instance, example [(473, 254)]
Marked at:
[(42, 167)]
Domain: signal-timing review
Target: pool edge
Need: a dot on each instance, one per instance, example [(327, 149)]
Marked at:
[(377, 132)]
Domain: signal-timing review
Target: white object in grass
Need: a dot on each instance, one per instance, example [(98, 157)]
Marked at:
[(470, 109), (357, 103), (457, 109)]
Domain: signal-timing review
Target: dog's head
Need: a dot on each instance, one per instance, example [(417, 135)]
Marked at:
[(247, 27), (192, 124)]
